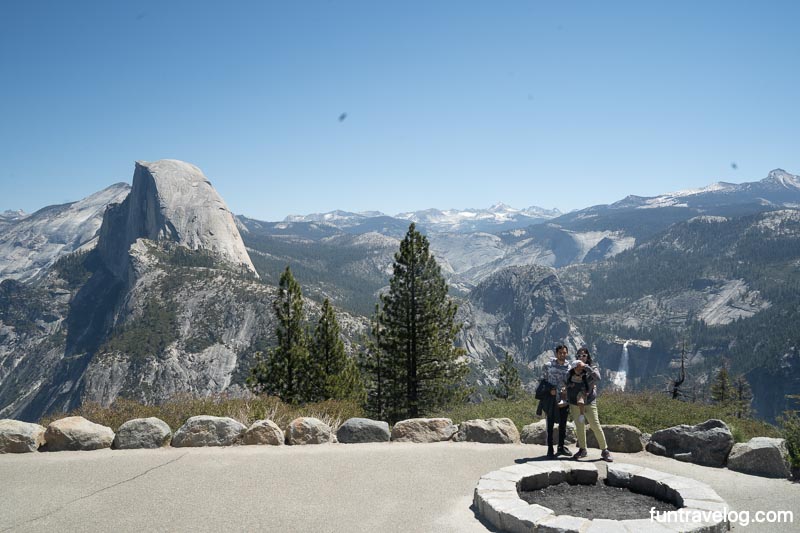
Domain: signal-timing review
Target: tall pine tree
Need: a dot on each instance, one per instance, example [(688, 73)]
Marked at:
[(283, 372), (332, 374), (421, 369)]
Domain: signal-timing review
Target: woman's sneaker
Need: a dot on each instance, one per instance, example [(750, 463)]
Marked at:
[(580, 454), (605, 455)]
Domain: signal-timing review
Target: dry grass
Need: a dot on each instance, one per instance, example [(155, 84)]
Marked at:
[(246, 410), (647, 411)]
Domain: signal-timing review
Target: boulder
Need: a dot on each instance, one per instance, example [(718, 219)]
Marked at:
[(760, 456), (536, 433), (619, 438), (708, 443), (264, 432), (363, 430), (423, 430), (208, 431), (308, 430), (142, 433), (77, 433), (20, 437), (655, 448), (489, 430)]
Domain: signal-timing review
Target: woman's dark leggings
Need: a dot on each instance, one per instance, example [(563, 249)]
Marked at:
[(561, 415)]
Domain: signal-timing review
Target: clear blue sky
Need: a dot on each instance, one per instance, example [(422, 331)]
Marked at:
[(449, 104)]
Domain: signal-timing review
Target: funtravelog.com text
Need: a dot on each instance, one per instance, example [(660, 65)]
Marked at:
[(743, 518)]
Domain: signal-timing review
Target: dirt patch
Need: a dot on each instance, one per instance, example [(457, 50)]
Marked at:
[(596, 501)]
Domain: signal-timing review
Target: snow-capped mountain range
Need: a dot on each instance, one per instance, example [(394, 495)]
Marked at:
[(771, 190), (472, 243), (10, 216), (498, 217)]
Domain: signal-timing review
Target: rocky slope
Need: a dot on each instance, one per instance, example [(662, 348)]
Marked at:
[(725, 289), (520, 311), (30, 244)]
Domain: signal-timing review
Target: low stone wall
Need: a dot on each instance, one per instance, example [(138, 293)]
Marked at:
[(760, 456)]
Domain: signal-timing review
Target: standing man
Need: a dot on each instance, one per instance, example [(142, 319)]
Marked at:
[(555, 404)]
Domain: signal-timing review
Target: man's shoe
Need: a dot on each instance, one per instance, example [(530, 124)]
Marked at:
[(550, 453), (563, 450), (580, 454), (605, 455)]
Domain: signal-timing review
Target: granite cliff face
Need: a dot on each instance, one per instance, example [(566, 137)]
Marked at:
[(171, 201), (521, 311)]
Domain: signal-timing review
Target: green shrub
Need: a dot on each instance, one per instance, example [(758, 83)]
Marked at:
[(72, 269), (147, 335), (790, 424)]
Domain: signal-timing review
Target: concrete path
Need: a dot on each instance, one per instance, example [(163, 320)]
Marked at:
[(400, 487)]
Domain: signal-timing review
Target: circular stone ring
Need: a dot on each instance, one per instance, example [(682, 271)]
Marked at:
[(497, 499)]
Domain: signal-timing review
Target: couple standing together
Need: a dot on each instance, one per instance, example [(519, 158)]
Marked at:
[(575, 385)]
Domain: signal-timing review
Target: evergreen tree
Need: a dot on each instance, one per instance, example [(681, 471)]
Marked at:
[(742, 397), (283, 372), (385, 381), (721, 387), (372, 362), (421, 368), (348, 384), (509, 386), (332, 374)]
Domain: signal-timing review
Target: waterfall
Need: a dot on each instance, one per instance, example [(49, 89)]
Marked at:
[(620, 377)]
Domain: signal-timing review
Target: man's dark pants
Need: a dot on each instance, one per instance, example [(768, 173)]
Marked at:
[(560, 415)]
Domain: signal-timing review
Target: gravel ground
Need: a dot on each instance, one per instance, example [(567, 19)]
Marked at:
[(596, 501)]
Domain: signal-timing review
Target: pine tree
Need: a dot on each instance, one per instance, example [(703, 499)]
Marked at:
[(721, 388), (416, 327), (283, 372), (373, 362), (385, 380), (348, 384), (742, 397), (509, 386), (332, 374)]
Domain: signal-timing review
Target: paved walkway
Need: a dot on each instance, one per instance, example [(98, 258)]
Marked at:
[(400, 487)]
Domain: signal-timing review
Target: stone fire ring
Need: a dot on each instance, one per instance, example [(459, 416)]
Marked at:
[(497, 499)]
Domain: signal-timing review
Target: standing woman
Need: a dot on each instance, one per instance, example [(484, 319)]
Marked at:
[(591, 376), (554, 403)]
